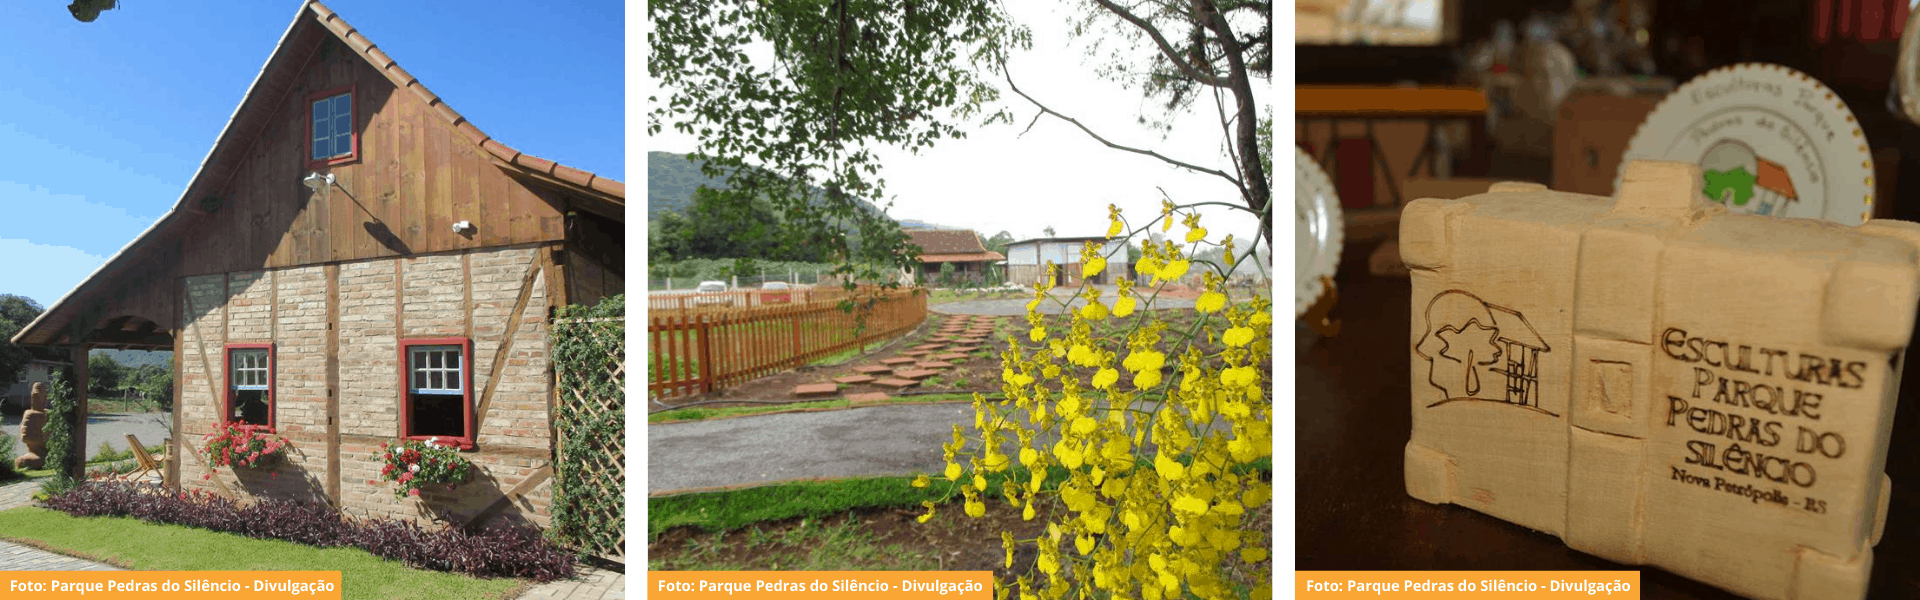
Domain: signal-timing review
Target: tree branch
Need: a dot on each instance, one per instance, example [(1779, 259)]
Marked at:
[(1248, 134), (1166, 49), (1226, 127), (1043, 108)]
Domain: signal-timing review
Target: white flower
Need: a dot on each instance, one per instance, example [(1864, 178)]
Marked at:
[(431, 440), (414, 468)]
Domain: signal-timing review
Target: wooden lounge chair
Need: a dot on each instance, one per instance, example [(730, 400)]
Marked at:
[(147, 462)]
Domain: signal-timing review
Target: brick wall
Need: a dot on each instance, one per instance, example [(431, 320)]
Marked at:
[(378, 302)]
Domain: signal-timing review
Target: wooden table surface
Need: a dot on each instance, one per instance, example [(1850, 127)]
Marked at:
[(1382, 101), (1352, 508)]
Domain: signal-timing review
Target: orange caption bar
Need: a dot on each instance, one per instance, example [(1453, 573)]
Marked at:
[(1466, 584), (151, 585), (874, 585)]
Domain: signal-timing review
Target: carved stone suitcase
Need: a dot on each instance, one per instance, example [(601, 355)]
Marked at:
[(1659, 382)]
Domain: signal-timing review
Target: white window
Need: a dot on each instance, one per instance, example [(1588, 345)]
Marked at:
[(436, 370), (250, 384), (439, 394)]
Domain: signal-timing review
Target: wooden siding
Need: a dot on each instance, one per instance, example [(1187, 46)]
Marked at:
[(413, 178), (589, 281)]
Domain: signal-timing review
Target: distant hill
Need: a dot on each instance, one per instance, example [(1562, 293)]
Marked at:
[(672, 179), (137, 358), (916, 224)]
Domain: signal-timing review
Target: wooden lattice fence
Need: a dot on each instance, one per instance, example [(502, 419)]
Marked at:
[(589, 350), (696, 352)]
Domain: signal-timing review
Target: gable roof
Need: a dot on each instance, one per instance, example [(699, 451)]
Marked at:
[(945, 241), (608, 191), (311, 23), (950, 245)]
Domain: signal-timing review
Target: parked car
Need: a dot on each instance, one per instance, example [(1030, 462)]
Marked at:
[(776, 292), (712, 293)]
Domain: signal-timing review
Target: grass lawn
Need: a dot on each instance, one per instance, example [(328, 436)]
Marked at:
[(734, 509), (137, 545), (116, 405)]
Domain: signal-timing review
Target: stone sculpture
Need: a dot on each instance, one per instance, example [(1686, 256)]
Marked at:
[(33, 431)]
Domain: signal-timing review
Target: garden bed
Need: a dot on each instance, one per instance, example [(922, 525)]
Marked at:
[(131, 544)]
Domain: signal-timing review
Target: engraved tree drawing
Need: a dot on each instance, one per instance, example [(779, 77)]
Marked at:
[(1469, 342)]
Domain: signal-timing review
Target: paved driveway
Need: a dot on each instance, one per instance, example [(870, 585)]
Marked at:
[(871, 441), (862, 442), (111, 428)]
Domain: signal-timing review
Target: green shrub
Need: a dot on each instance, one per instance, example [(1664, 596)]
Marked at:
[(107, 453), (6, 458), (59, 428)]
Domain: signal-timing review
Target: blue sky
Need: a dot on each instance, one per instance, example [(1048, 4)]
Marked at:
[(103, 123)]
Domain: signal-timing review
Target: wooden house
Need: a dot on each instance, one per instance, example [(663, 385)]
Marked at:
[(355, 263), (958, 247), (36, 371)]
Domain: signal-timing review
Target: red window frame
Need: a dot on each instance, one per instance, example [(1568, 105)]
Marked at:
[(353, 116), (465, 441), (226, 381)]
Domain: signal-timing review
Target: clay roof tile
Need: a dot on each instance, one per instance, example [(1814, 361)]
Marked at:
[(610, 186), (946, 241), (572, 175)]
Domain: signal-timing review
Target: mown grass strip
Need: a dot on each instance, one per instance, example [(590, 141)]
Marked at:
[(735, 509), (143, 546)]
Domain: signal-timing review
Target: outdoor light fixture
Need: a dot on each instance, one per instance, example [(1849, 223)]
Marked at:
[(317, 182), (463, 227)]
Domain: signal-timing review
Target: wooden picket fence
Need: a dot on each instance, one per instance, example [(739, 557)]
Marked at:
[(699, 351), (678, 302)]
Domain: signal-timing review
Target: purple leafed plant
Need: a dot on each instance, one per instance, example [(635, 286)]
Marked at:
[(512, 551)]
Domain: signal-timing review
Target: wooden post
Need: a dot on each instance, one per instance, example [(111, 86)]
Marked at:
[(77, 442), (178, 443), (706, 354), (332, 483), (794, 317)]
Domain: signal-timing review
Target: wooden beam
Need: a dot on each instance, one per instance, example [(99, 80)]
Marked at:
[(224, 490), (400, 333), (597, 202), (533, 480), (333, 384), (213, 383), (129, 339), (173, 453), (506, 344)]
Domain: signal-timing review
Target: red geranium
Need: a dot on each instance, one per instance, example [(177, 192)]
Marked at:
[(239, 445), (415, 464)]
